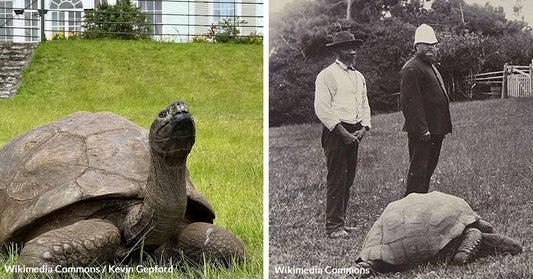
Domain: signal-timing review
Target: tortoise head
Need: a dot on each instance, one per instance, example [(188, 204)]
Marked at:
[(493, 243), (173, 131)]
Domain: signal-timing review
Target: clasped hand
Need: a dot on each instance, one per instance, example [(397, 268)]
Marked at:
[(356, 136)]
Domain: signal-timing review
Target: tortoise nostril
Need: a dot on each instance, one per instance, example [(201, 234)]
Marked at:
[(174, 109), (178, 107)]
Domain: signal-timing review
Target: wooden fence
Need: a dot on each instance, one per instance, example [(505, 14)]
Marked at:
[(512, 81)]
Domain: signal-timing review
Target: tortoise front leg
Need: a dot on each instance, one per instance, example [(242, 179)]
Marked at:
[(470, 242), (79, 244), (199, 240)]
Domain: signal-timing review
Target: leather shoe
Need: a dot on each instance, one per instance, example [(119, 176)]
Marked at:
[(350, 229)]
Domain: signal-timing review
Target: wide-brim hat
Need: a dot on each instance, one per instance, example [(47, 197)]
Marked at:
[(344, 38)]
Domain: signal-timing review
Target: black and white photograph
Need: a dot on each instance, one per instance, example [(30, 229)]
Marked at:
[(400, 139)]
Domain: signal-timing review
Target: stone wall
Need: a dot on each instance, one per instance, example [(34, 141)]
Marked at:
[(14, 57)]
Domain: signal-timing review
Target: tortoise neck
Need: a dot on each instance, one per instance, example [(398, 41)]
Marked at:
[(164, 204)]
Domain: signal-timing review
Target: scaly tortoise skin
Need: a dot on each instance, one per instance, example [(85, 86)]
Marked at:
[(91, 187), (423, 227)]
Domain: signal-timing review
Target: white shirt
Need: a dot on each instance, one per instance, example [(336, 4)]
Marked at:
[(340, 96)]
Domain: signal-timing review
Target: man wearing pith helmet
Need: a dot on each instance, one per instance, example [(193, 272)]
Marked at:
[(425, 106), (342, 106)]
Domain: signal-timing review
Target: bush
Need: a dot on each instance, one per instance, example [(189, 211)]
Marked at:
[(253, 38), (381, 58), (123, 20), (292, 91), (228, 31), (471, 53)]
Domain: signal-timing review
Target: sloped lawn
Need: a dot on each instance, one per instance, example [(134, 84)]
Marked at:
[(221, 84)]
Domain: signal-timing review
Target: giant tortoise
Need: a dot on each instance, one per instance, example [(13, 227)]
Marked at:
[(431, 226), (91, 187)]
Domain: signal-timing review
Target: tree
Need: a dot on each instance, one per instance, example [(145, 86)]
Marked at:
[(364, 11), (412, 12), (123, 20), (462, 18), (459, 56), (380, 59)]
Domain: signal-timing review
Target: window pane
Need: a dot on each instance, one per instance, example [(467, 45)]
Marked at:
[(66, 5), (223, 9), (153, 10), (6, 12), (54, 4)]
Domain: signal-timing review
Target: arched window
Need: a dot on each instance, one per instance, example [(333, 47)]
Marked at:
[(64, 20)]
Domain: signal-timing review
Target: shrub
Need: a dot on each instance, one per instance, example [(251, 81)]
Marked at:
[(229, 31), (123, 20), (253, 39), (225, 31), (381, 58)]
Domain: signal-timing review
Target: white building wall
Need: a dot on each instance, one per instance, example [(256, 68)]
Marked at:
[(176, 17), (175, 20), (249, 10), (202, 20), (259, 11), (18, 22), (22, 22)]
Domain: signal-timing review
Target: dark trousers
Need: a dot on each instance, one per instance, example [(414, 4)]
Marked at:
[(423, 157), (341, 162)]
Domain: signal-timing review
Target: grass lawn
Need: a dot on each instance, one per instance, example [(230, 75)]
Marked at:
[(488, 161), (220, 83)]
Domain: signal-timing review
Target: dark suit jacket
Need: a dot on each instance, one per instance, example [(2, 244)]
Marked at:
[(424, 101)]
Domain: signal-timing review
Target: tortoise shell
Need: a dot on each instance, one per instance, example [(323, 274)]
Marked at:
[(81, 157), (415, 228)]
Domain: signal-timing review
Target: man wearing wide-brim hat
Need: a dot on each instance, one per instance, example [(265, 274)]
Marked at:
[(341, 104)]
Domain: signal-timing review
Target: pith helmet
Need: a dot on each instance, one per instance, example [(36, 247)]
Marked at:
[(343, 38), (425, 34)]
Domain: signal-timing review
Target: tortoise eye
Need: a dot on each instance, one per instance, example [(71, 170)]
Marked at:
[(163, 114)]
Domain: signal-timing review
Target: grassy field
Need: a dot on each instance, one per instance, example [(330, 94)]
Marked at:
[(221, 84), (488, 161)]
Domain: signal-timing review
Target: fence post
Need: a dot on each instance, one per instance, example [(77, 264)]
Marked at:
[(188, 21), (42, 13), (470, 81), (530, 93), (504, 84), (234, 19)]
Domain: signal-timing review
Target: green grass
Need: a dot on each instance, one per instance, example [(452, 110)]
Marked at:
[(488, 161), (221, 84)]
